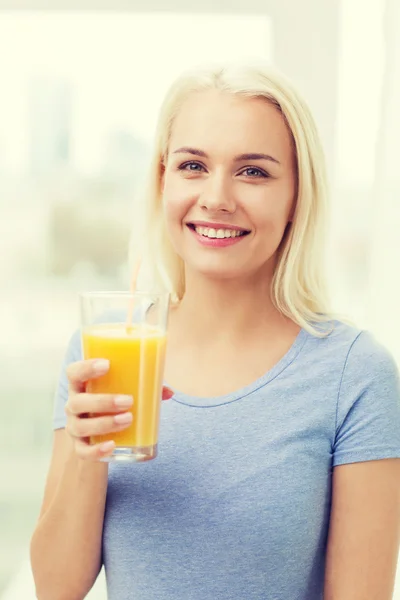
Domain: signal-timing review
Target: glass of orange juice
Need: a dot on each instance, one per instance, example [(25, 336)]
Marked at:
[(130, 330)]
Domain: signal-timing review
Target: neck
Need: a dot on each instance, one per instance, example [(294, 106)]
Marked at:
[(231, 310)]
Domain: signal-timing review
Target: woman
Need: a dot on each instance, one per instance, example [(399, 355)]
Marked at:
[(277, 475)]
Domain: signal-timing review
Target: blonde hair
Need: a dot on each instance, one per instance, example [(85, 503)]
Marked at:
[(298, 289)]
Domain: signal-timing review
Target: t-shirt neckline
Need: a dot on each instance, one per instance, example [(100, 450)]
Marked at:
[(272, 373)]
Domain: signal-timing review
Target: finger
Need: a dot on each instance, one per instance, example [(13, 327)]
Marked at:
[(97, 403), (84, 370), (167, 393), (86, 427), (88, 451)]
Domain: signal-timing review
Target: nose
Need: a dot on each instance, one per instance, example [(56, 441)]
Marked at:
[(217, 195)]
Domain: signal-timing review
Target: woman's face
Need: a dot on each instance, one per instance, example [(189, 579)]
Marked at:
[(229, 184)]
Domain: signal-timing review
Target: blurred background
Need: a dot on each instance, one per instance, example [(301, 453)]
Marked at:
[(80, 86)]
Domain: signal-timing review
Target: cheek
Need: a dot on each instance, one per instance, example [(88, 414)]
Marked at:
[(174, 208), (270, 217), (176, 200), (276, 206)]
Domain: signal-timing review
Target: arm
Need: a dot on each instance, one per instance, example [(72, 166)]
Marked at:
[(364, 533), (66, 545)]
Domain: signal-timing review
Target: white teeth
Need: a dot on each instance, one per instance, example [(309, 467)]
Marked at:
[(218, 233)]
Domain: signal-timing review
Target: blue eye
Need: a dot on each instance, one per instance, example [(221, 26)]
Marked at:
[(254, 172), (191, 166)]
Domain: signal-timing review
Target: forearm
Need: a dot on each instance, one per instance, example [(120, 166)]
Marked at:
[(67, 543)]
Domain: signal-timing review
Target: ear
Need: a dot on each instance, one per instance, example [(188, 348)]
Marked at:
[(162, 176)]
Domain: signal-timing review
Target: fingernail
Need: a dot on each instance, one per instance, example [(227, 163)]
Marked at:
[(101, 366), (123, 400), (123, 418), (107, 446)]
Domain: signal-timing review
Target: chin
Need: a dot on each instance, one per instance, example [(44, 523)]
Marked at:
[(217, 272), (225, 270)]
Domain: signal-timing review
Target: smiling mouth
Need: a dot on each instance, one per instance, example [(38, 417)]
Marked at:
[(214, 233)]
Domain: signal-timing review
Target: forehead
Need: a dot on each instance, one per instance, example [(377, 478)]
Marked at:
[(216, 121)]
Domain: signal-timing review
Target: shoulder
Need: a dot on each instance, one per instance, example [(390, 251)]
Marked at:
[(366, 364), (357, 345), (351, 354), (370, 360), (330, 350), (368, 403)]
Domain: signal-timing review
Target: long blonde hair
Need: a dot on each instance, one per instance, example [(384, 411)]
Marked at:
[(298, 289)]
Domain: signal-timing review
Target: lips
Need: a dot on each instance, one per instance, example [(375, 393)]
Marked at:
[(217, 236), (217, 230)]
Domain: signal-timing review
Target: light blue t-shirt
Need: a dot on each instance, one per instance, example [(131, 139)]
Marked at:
[(237, 504)]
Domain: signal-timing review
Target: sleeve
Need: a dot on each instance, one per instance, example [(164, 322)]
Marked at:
[(73, 354), (368, 408)]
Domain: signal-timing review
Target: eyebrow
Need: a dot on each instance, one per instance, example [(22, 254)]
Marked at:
[(240, 157)]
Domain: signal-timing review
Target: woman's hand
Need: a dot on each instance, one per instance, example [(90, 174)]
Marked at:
[(80, 404)]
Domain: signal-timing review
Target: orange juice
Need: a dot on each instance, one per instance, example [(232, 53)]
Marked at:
[(136, 354)]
